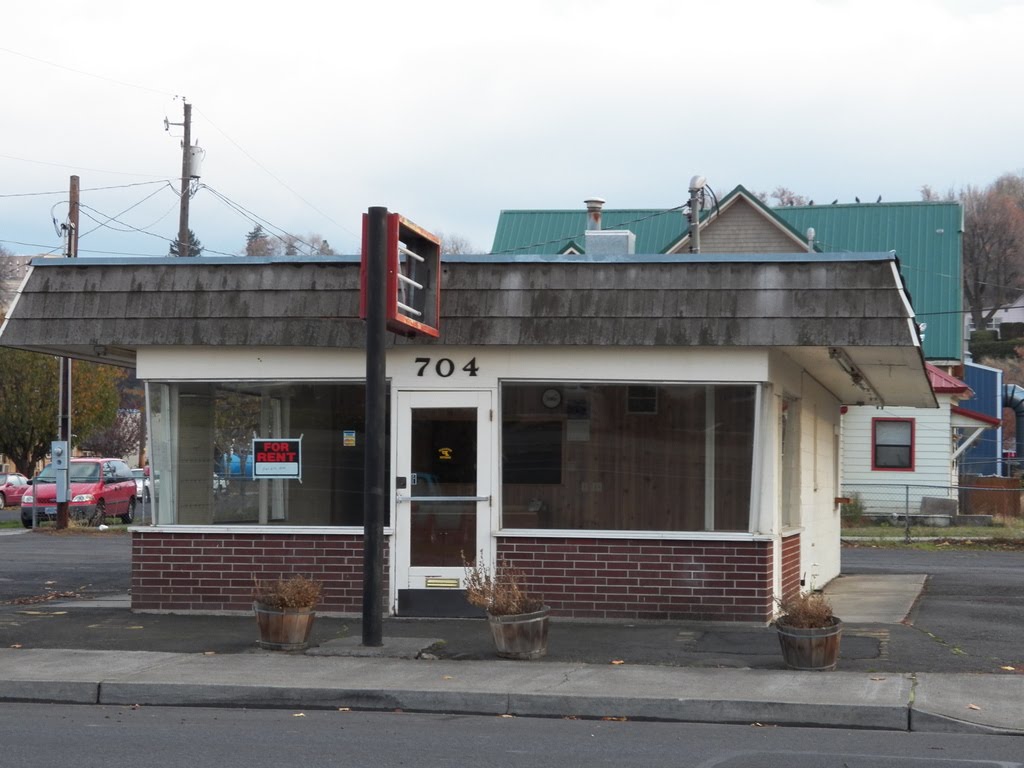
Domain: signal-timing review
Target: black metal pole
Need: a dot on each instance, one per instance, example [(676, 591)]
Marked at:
[(375, 499)]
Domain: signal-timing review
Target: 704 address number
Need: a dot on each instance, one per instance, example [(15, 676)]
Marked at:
[(445, 366)]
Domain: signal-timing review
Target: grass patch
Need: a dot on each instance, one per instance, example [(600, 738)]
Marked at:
[(10, 524), (1001, 528), (1005, 533), (938, 545), (77, 528)]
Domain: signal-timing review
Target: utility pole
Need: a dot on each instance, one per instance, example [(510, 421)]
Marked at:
[(186, 182), (64, 409), (375, 499)]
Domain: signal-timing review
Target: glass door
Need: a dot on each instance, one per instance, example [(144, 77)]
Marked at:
[(443, 495)]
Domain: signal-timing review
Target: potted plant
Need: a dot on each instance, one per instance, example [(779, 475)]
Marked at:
[(518, 620), (285, 610), (808, 632)]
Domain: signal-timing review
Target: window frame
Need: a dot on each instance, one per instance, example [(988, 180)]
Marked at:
[(711, 511), (875, 467)]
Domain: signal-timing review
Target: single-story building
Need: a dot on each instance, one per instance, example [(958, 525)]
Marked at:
[(644, 436)]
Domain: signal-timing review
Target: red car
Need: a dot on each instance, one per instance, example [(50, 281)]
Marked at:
[(100, 488), (12, 487)]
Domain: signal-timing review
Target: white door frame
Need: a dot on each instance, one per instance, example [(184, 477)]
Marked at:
[(407, 576)]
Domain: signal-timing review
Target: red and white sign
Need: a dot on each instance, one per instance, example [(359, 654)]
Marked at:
[(277, 457)]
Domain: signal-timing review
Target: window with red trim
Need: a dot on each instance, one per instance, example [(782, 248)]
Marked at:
[(892, 444)]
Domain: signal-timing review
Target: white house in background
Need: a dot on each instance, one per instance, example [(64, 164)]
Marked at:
[(893, 457), (1011, 314)]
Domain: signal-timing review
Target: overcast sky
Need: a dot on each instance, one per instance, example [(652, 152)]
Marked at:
[(449, 112)]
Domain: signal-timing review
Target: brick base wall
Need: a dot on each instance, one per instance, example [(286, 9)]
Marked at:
[(791, 566), (578, 577), (215, 571), (647, 579)]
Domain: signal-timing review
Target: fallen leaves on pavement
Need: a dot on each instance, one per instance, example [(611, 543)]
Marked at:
[(45, 598)]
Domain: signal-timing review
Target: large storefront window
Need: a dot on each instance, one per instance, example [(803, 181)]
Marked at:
[(627, 457), (201, 437)]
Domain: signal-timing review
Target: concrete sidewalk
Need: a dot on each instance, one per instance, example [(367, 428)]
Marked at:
[(943, 703), (671, 671)]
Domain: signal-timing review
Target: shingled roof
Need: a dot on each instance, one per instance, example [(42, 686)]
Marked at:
[(106, 309), (925, 235)]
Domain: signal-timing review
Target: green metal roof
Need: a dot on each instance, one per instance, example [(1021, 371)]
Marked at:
[(925, 236), (543, 232)]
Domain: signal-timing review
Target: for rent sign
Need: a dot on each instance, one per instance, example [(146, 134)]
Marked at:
[(277, 457)]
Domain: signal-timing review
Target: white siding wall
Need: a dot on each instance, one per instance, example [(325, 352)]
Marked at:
[(819, 470), (890, 492)]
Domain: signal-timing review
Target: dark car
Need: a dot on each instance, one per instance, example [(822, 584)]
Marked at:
[(100, 488), (12, 487)]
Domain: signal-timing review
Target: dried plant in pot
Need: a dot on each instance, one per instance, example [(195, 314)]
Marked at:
[(285, 611), (517, 619), (809, 633)]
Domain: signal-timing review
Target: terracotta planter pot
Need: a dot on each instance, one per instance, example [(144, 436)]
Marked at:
[(284, 630), (810, 649), (522, 636)]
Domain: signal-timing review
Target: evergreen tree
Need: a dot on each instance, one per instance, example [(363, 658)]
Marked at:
[(195, 248), (258, 244)]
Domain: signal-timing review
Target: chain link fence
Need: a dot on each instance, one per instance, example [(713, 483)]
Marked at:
[(938, 505)]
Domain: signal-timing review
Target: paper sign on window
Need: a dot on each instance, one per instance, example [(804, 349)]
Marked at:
[(277, 457)]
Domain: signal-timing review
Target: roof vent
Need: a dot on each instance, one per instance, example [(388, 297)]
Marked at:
[(594, 206)]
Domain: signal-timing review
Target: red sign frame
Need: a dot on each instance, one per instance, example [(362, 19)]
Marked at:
[(425, 273)]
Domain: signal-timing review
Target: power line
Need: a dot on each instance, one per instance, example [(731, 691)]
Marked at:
[(77, 167), (275, 177), (87, 74), (86, 189), (122, 213), (256, 219)]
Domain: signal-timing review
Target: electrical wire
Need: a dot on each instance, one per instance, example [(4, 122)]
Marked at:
[(256, 219), (79, 167), (87, 189), (274, 176), (83, 72), (122, 213)]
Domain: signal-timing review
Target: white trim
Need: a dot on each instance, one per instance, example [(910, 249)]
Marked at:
[(709, 459), (575, 533), (560, 533), (911, 317), (17, 296), (968, 442), (319, 530)]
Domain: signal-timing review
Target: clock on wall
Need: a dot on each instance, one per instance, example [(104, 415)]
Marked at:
[(551, 398)]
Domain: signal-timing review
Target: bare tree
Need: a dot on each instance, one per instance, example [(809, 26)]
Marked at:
[(785, 196), (993, 246), (312, 243), (455, 244), (122, 438), (929, 195)]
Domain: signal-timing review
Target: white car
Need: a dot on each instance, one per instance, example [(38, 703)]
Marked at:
[(141, 484)]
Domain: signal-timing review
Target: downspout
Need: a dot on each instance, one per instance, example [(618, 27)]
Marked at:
[(1013, 397)]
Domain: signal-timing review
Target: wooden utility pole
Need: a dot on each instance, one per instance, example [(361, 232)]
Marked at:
[(64, 409), (186, 182)]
